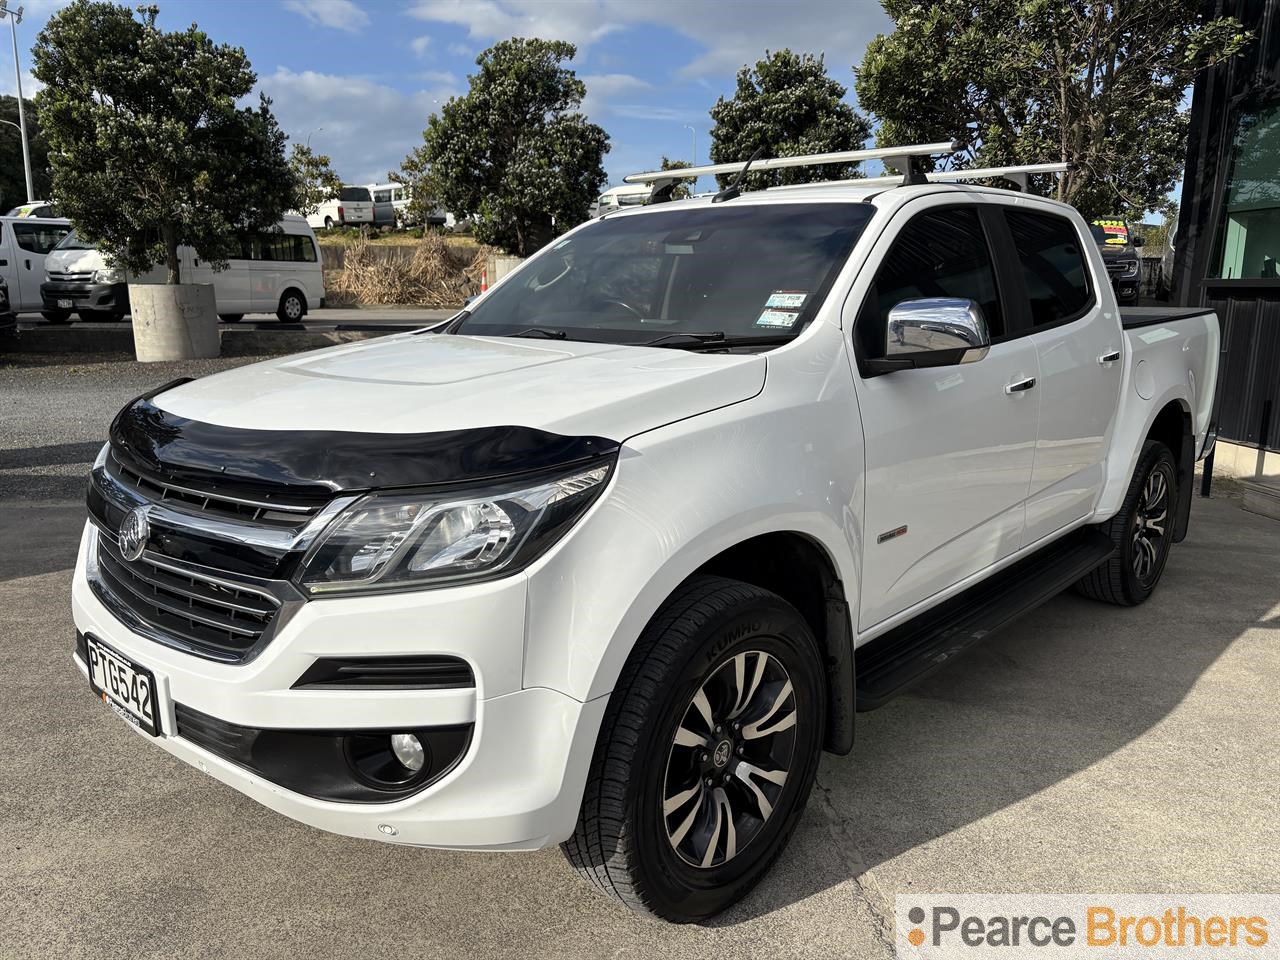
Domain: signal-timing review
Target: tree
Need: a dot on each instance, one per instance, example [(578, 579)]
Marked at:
[(316, 181), (515, 155), (415, 173), (13, 181), (148, 147), (683, 188), (1098, 85), (788, 105)]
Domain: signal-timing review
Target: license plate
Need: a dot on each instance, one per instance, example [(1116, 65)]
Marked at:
[(124, 686), (66, 304)]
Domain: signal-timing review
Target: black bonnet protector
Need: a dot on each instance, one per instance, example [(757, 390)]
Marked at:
[(310, 466)]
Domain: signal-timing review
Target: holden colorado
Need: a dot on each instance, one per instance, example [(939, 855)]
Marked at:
[(608, 559)]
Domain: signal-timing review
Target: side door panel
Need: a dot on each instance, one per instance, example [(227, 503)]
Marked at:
[(1078, 387), (949, 453)]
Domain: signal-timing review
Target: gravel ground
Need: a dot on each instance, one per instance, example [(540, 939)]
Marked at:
[(1085, 749)]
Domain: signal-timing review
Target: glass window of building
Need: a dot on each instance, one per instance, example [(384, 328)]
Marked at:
[(1249, 240)]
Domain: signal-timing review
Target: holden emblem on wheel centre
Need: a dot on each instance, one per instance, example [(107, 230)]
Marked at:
[(134, 533)]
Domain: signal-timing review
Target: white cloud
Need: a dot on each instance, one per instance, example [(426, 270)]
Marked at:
[(419, 45), (461, 50), (366, 127), (579, 23), (603, 88), (731, 37), (338, 14)]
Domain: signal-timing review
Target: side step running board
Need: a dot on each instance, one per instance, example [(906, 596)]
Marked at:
[(890, 663)]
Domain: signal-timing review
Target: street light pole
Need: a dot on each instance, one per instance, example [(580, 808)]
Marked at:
[(694, 134), (15, 18)]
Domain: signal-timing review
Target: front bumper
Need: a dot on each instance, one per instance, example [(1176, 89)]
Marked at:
[(518, 786), (85, 296)]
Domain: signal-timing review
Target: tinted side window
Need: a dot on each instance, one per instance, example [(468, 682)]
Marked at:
[(942, 253), (1053, 266), (38, 237)]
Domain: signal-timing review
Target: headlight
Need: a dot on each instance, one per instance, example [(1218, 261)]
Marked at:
[(405, 541), (108, 275)]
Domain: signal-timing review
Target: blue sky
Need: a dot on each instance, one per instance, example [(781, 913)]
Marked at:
[(359, 77)]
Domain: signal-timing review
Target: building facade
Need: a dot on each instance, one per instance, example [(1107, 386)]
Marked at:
[(1228, 238)]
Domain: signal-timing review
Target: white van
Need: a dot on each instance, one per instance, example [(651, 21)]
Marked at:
[(352, 207), (24, 244), (398, 195), (278, 272), (627, 195)]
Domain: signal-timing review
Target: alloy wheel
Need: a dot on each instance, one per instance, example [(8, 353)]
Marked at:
[(729, 759), (1150, 523)]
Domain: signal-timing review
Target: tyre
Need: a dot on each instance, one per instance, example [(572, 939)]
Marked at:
[(231, 317), (292, 307), (56, 316), (1142, 532), (328, 223), (706, 754)]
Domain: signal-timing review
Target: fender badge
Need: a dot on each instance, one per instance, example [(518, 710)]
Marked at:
[(891, 534)]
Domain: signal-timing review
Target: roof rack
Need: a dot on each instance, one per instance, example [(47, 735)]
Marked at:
[(913, 157)]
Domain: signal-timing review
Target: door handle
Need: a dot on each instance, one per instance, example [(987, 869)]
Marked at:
[(4, 263), (1020, 386), (1111, 357), (28, 263)]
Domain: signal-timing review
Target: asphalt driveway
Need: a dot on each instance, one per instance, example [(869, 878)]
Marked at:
[(1087, 748)]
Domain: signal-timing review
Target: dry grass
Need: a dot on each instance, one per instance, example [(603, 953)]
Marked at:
[(436, 273)]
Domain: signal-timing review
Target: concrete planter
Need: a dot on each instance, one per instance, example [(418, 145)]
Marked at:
[(177, 322)]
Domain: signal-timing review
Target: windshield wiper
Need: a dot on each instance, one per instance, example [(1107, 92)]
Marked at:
[(545, 332), (713, 339)]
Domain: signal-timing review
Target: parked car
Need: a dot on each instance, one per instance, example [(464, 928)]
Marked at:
[(615, 198), (589, 562), (34, 208), (1119, 246), (351, 208), (278, 271), (24, 244), (1167, 259)]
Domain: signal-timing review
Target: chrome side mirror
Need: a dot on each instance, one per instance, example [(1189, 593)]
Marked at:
[(936, 331)]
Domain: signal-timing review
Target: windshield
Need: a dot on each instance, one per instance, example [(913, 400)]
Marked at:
[(355, 194), (1113, 233), (751, 270), (72, 242)]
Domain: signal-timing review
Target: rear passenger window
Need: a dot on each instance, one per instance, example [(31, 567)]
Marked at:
[(942, 253), (1053, 267)]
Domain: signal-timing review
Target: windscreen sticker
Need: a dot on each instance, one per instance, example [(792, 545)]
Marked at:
[(788, 299), (1116, 231), (778, 318)]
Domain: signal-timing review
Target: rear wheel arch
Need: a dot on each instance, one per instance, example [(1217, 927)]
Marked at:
[(1173, 427)]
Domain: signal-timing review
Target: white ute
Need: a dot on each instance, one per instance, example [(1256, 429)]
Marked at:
[(589, 563)]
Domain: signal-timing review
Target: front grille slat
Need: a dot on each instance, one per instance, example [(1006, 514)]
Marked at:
[(211, 617)]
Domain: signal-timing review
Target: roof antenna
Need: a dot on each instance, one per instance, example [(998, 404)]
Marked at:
[(731, 191)]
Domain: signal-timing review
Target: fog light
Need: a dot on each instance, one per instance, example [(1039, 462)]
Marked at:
[(408, 750)]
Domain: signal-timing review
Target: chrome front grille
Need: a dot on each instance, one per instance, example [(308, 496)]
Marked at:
[(263, 511), (210, 616), (77, 276)]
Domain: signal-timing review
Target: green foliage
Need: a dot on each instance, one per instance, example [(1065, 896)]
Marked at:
[(788, 105), (415, 173), (13, 181), (683, 188), (148, 146), (515, 155), (316, 181), (1095, 84)]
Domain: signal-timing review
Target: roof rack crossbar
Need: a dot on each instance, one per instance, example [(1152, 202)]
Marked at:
[(913, 153), (1014, 174)]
